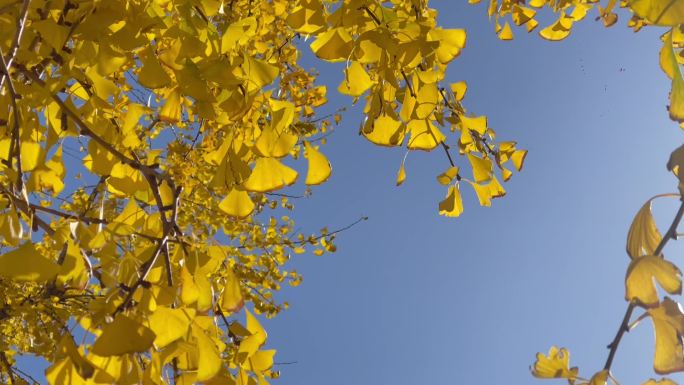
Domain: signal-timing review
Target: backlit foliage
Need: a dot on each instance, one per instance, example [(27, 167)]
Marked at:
[(144, 147)]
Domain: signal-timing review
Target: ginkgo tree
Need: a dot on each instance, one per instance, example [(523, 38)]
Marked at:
[(137, 259)]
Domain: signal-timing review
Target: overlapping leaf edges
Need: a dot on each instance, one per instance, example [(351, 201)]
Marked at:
[(395, 58), (185, 120), (181, 119)]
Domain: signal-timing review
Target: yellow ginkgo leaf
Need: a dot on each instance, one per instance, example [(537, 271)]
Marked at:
[(356, 80), (372, 46), (25, 263), (599, 378), (659, 12), (270, 174), (482, 168), (333, 45), (522, 15), (123, 336), (558, 30), (459, 89), (237, 204), (506, 33), (319, 168), (51, 32), (643, 236), (209, 359), (260, 361), (384, 131), (401, 174), (477, 124), (483, 193), (307, 17), (258, 73), (152, 74), (668, 323), (189, 290), (170, 324), (282, 114), (639, 282), (447, 176), (554, 365), (171, 110), (495, 188), (67, 347), (427, 98), (452, 205), (580, 11), (130, 218), (238, 33), (255, 340), (64, 371), (518, 159), (231, 296), (670, 65), (451, 42), (424, 135)]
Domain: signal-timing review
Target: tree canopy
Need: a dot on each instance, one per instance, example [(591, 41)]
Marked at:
[(189, 120)]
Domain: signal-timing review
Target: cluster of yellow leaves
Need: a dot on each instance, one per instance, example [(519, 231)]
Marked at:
[(395, 57), (184, 120), (186, 116), (568, 12)]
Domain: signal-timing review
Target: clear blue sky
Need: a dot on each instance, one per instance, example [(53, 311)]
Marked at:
[(415, 298)]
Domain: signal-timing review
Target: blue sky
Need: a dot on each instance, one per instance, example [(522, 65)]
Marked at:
[(415, 298)]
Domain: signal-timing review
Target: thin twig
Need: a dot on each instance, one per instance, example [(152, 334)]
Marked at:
[(6, 364), (15, 144), (21, 23)]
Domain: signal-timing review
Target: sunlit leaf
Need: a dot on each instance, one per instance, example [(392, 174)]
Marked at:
[(554, 365), (668, 322), (319, 167), (643, 236), (25, 263), (642, 273), (123, 335)]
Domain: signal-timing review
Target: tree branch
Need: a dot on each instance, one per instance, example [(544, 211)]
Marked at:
[(15, 143), (624, 325)]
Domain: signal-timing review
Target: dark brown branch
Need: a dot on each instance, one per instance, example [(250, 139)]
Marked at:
[(371, 14), (62, 214), (26, 209), (624, 325), (408, 84), (21, 23), (149, 264)]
